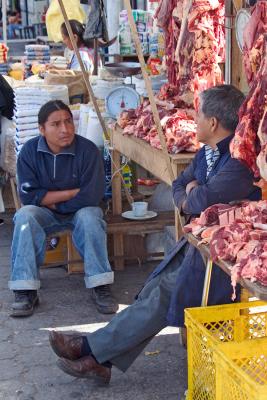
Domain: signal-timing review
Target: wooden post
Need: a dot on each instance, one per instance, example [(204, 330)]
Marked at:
[(148, 86), (151, 96), (95, 57), (89, 87), (85, 76), (117, 210)]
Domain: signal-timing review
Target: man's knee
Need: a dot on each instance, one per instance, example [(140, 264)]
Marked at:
[(90, 217), (26, 214)]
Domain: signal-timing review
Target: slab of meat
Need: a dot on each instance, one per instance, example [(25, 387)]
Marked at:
[(240, 238), (194, 43), (178, 125), (246, 146), (206, 20), (253, 50)]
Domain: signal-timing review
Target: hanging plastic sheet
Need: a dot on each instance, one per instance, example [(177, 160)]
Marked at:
[(54, 17), (96, 21)]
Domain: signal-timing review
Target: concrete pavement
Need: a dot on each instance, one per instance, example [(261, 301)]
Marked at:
[(27, 364)]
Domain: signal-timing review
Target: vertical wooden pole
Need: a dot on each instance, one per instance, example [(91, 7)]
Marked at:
[(152, 101), (117, 210), (95, 72), (84, 73)]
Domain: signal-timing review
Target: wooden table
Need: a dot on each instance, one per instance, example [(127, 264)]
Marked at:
[(151, 159), (255, 288)]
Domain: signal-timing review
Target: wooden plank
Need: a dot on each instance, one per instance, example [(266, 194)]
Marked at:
[(117, 210), (149, 89), (153, 160), (84, 73), (118, 224)]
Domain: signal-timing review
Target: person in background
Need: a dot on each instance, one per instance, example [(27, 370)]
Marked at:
[(61, 183), (86, 49), (177, 283), (14, 23)]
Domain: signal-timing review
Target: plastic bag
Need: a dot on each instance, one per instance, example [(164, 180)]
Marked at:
[(8, 152), (54, 17)]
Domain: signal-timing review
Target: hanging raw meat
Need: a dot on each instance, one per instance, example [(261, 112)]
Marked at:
[(254, 32), (247, 145), (206, 20), (195, 43)]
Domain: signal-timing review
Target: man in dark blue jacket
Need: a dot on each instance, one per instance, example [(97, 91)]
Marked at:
[(61, 183), (177, 283)]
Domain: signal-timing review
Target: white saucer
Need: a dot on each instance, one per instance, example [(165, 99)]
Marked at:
[(130, 215)]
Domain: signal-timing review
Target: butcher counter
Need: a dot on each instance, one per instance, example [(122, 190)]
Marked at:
[(254, 288), (151, 159)]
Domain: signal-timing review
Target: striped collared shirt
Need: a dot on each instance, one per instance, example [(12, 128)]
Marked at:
[(212, 156)]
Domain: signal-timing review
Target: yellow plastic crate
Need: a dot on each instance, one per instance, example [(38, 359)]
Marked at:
[(210, 327), (241, 370)]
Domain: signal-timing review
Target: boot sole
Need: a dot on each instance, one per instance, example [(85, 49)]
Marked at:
[(25, 313), (87, 375)]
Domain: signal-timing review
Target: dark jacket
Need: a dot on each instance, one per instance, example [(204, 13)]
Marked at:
[(6, 99), (77, 166), (228, 181)]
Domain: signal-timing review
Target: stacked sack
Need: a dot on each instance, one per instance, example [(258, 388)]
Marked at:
[(143, 21), (28, 101), (35, 54), (4, 68), (59, 62)]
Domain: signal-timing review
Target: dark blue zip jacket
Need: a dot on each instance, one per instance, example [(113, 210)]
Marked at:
[(229, 180), (77, 166)]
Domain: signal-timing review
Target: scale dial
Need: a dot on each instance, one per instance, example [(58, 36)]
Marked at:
[(121, 98), (241, 20)]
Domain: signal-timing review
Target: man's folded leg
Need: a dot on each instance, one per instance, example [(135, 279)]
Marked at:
[(127, 334), (89, 237)]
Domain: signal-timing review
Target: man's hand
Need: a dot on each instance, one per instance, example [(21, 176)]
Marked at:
[(190, 186), (73, 192), (53, 197)]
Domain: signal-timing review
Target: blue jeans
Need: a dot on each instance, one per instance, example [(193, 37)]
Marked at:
[(11, 30), (33, 224)]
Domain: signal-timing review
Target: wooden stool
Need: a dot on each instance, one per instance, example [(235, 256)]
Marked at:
[(63, 254)]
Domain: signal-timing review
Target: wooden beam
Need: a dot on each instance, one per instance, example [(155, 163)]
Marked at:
[(148, 86), (151, 96), (89, 88), (84, 73)]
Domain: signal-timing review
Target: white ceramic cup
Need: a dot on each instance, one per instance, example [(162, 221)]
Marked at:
[(139, 208)]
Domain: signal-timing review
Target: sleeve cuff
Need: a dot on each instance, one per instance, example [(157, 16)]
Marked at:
[(39, 196)]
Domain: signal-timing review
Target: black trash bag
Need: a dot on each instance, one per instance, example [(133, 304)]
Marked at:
[(7, 104), (96, 26)]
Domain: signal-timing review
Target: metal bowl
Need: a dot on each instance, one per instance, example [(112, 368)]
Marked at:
[(123, 69)]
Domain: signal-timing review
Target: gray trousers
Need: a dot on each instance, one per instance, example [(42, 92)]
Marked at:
[(127, 334)]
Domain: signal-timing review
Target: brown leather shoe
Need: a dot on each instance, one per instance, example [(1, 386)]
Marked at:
[(67, 346), (85, 367)]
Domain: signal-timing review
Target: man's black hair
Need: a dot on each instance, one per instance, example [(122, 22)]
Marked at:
[(50, 107), (223, 103)]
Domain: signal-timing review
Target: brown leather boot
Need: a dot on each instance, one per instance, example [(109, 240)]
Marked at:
[(85, 367), (67, 346)]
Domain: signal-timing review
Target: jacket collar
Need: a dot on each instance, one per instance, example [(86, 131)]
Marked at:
[(43, 147), (223, 145)]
